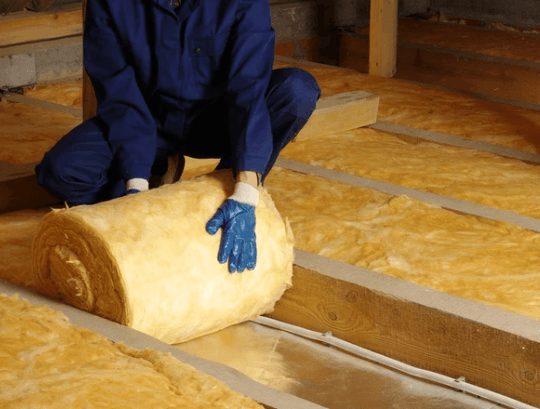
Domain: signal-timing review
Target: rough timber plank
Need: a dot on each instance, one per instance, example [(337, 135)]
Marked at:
[(341, 112), (493, 349), (268, 397), (26, 27), (460, 70), (23, 193), (383, 37), (12, 6)]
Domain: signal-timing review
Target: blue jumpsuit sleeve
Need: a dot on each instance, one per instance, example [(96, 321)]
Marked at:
[(252, 42), (131, 129)]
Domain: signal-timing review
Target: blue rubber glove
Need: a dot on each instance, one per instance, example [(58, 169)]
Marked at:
[(132, 191), (238, 243)]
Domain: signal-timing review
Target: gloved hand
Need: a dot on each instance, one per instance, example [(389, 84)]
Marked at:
[(238, 242), (132, 191)]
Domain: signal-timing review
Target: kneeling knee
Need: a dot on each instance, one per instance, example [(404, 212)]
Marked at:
[(304, 91)]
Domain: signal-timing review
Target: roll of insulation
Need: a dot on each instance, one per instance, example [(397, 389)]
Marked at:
[(146, 260)]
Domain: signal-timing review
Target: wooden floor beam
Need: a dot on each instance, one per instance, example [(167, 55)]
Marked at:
[(341, 112), (25, 27), (491, 348), (457, 70)]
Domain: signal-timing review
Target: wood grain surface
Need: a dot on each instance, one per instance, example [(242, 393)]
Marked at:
[(404, 329), (508, 71), (25, 27), (383, 37)]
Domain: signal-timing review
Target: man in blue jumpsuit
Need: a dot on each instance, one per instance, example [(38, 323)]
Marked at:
[(192, 77)]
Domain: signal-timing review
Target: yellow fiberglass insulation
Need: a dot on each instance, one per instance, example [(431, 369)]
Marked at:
[(49, 363), (146, 260)]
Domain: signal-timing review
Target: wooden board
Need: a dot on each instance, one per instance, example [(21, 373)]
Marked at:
[(25, 27), (512, 45), (341, 112), (23, 193), (10, 6), (460, 70), (383, 37), (491, 348)]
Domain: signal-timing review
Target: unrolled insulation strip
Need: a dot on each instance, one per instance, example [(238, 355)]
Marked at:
[(456, 141), (507, 101), (135, 339), (394, 190), (459, 384), (23, 99)]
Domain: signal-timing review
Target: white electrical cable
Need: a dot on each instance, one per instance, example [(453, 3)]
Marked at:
[(458, 384)]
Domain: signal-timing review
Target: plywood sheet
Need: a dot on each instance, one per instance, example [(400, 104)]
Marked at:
[(496, 43), (434, 109), (486, 261), (68, 93), (466, 174), (28, 131), (48, 362)]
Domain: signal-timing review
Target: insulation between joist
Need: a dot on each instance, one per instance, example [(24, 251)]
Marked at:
[(443, 201)]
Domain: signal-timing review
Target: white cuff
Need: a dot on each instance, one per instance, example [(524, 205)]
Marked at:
[(137, 183), (245, 193)]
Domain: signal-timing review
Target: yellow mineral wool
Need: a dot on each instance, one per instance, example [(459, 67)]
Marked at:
[(68, 93), (47, 362), (487, 261), (147, 261), (29, 131), (434, 109), (467, 174)]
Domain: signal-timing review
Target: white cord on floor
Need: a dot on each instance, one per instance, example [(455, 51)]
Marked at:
[(458, 384)]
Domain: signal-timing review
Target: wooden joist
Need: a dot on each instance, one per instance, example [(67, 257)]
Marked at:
[(25, 27), (23, 192), (10, 6), (341, 112), (460, 70), (490, 348)]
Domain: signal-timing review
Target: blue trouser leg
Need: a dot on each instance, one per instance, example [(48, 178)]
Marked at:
[(81, 168), (291, 96)]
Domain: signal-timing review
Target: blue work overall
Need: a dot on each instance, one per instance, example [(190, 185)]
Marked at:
[(197, 80)]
